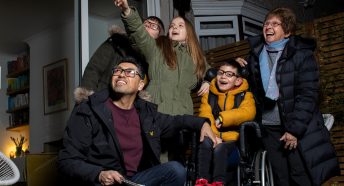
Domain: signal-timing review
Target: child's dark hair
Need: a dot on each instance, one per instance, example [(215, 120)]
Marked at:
[(236, 65)]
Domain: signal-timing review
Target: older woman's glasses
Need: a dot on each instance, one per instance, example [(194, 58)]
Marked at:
[(151, 25), (226, 73), (127, 72), (273, 24)]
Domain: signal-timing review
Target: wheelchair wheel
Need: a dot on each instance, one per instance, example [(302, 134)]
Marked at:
[(263, 170), (191, 160), (190, 175), (246, 172)]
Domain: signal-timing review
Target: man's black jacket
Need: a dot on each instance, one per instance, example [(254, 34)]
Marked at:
[(90, 144)]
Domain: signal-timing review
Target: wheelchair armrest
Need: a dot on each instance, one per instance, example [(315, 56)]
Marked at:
[(242, 139), (252, 124)]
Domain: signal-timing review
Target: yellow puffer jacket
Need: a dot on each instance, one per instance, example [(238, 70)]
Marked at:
[(231, 116)]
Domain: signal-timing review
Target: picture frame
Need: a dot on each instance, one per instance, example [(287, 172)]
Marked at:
[(55, 86)]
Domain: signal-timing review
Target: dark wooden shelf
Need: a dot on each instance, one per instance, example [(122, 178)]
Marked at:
[(18, 127), (19, 91), (18, 109), (18, 73), (18, 77)]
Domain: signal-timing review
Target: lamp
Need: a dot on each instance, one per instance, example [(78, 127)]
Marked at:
[(11, 154)]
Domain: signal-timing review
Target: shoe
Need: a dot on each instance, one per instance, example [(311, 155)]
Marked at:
[(217, 183), (202, 182)]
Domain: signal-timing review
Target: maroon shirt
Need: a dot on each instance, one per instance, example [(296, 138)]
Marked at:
[(128, 131)]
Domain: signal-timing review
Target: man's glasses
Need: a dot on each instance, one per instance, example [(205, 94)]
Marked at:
[(151, 25), (226, 73), (273, 24), (127, 72)]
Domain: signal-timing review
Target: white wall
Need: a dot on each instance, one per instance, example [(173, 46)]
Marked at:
[(45, 48)]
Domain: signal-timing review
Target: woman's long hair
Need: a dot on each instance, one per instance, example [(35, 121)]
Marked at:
[(195, 51)]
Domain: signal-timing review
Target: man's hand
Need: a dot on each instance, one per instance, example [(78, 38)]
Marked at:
[(123, 5), (241, 61), (204, 89), (206, 131), (290, 141), (110, 177)]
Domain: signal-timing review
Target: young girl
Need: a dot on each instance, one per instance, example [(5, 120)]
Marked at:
[(176, 63)]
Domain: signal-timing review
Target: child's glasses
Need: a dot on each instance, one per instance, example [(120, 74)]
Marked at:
[(151, 25), (226, 73)]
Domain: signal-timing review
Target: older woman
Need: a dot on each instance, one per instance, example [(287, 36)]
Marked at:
[(284, 77)]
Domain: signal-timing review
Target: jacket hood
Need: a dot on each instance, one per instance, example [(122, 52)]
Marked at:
[(243, 87), (82, 94), (116, 29)]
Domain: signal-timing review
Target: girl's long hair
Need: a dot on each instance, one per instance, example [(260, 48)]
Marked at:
[(195, 51), (166, 46)]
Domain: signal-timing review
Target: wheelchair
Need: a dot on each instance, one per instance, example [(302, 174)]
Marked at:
[(248, 165), (254, 168)]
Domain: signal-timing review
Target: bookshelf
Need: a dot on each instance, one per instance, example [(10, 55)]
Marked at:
[(18, 90)]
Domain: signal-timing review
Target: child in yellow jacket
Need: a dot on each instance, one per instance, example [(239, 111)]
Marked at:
[(227, 85)]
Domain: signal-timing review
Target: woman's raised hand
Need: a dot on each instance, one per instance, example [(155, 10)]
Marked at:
[(204, 89), (241, 61), (123, 5)]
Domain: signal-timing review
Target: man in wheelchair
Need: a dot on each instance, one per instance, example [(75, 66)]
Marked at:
[(227, 105)]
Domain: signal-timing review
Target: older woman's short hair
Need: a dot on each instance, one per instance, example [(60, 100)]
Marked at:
[(287, 17)]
